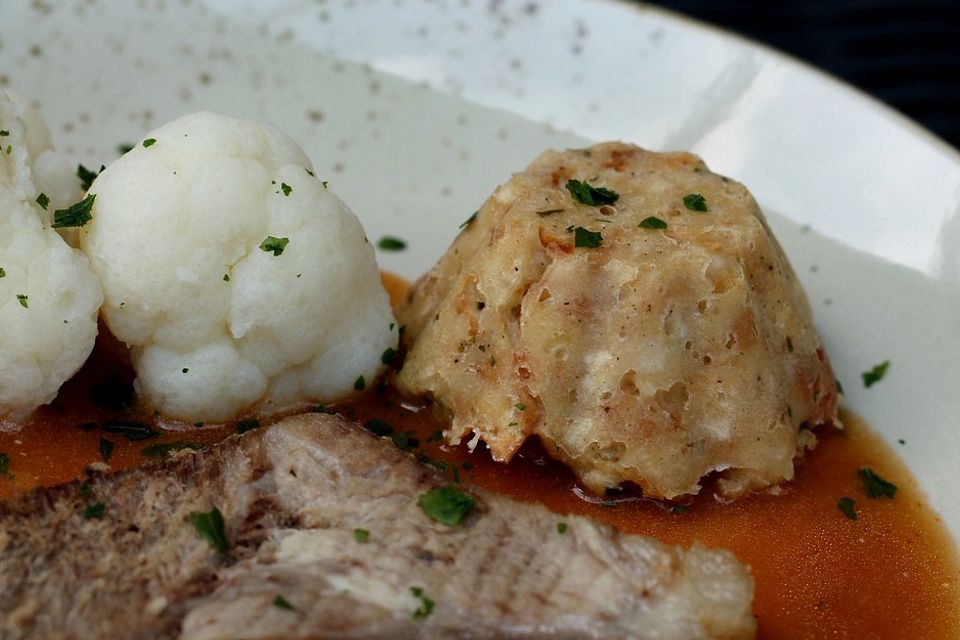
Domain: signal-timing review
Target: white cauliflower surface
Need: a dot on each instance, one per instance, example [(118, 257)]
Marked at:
[(51, 172), (238, 280), (49, 296)]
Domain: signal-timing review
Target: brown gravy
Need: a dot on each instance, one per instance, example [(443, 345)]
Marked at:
[(893, 573)]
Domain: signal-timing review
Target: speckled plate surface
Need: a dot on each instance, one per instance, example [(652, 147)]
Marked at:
[(415, 111)]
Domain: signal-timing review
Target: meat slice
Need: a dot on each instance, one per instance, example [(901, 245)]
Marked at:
[(293, 497), (633, 311)]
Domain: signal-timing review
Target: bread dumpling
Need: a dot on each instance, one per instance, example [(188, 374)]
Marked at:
[(634, 311)]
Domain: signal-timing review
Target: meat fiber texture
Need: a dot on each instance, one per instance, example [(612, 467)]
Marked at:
[(658, 356), (292, 497), (49, 297), (240, 282)]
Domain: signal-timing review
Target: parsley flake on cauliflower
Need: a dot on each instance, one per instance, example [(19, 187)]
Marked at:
[(49, 297), (237, 279)]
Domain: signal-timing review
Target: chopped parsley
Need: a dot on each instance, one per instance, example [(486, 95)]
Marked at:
[(282, 603), (436, 436), (132, 431), (653, 222), (695, 202), (3, 274), (287, 189), (5, 465), (846, 506), (561, 528), (76, 215), (387, 356), (106, 449), (447, 505), (23, 300), (95, 510), (426, 604), (361, 535), (209, 524), (86, 176), (149, 142), (389, 243), (875, 486), (586, 238), (679, 508), (876, 374), (248, 424), (585, 193), (469, 221), (4, 133), (163, 449), (520, 406), (359, 384), (403, 439), (43, 201), (274, 244), (378, 427), (226, 277), (439, 465)]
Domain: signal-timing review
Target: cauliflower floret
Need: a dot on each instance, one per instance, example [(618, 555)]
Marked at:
[(238, 280), (53, 174), (49, 297)]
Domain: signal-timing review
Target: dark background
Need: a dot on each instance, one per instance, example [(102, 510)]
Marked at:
[(907, 54)]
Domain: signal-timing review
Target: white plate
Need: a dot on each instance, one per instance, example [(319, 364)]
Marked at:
[(415, 111)]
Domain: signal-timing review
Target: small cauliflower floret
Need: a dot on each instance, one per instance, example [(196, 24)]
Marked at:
[(53, 174), (238, 280), (633, 311), (49, 297)]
